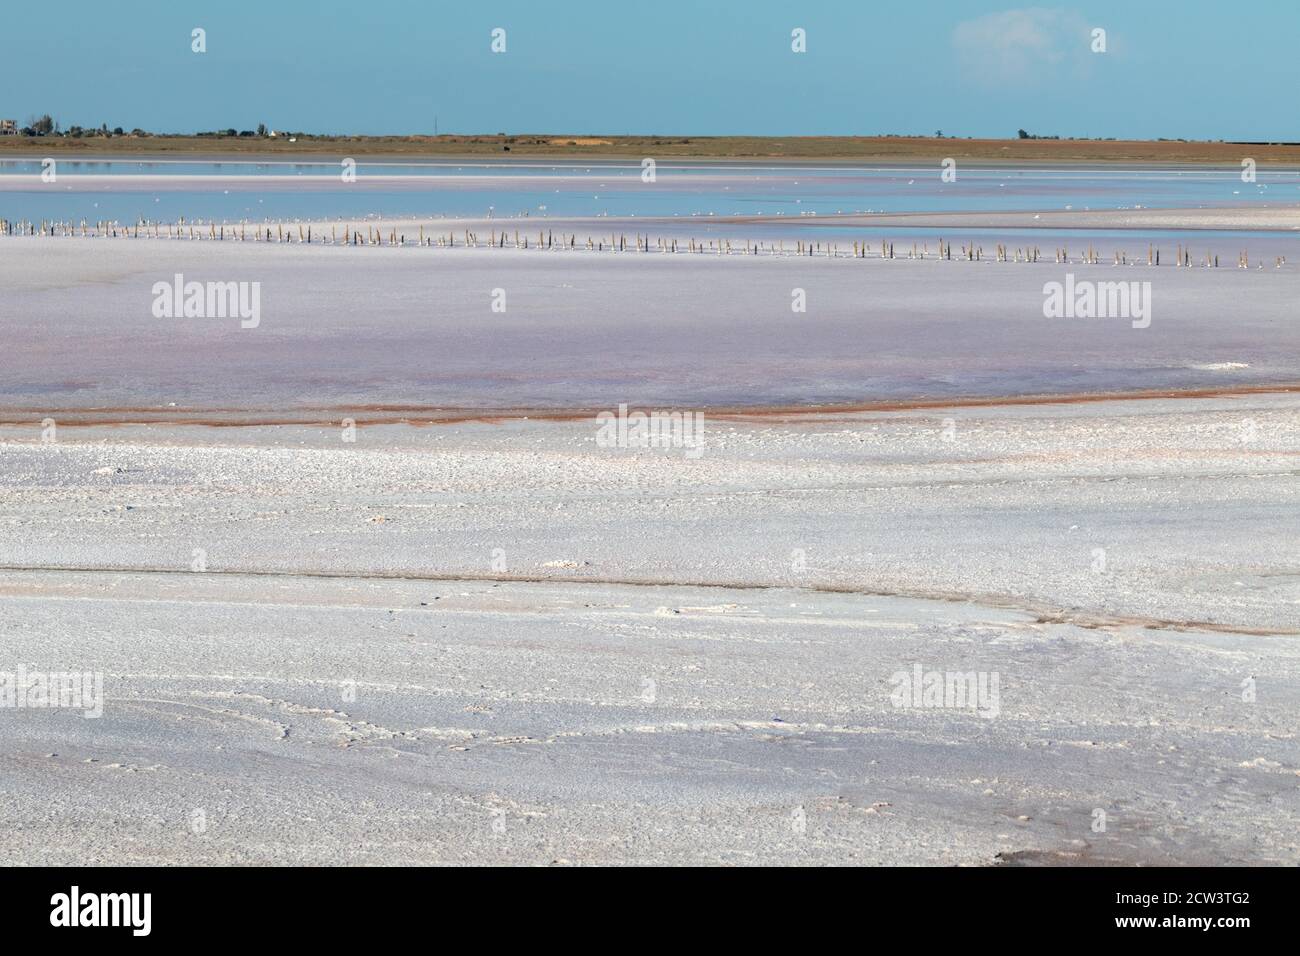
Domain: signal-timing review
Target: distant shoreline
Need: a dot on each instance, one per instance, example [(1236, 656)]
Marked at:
[(833, 149)]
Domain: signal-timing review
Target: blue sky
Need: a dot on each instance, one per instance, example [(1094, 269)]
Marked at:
[(1195, 68)]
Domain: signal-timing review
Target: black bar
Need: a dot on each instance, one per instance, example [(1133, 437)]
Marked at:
[(336, 906)]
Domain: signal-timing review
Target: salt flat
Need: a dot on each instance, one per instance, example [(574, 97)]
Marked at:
[(504, 643), (1194, 502), (465, 631)]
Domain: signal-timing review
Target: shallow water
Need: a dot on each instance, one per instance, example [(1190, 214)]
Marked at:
[(130, 190), (346, 329)]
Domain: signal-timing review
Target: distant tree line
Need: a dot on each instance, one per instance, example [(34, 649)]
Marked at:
[(46, 125), (1022, 134)]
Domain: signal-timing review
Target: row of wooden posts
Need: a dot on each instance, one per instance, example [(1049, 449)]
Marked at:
[(546, 239)]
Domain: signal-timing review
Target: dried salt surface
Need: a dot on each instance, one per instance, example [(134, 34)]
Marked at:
[(346, 328), (1194, 502), (650, 679)]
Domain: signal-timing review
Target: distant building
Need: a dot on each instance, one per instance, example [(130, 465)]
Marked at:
[(8, 127)]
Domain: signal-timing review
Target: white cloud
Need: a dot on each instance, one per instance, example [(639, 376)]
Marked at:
[(1020, 45)]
